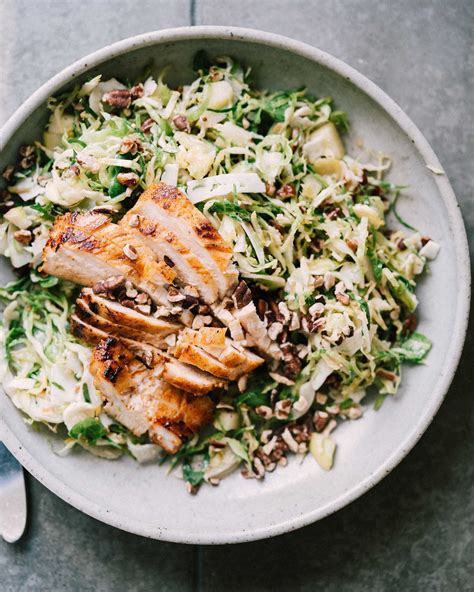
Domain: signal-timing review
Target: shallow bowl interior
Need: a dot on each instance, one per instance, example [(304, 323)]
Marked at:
[(142, 499)]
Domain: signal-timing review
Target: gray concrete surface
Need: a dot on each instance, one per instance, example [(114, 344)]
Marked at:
[(414, 531)]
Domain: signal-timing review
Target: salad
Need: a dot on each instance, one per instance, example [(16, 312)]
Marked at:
[(310, 255)]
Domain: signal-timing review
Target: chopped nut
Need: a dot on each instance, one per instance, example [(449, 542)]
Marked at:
[(352, 244), (270, 467), (192, 489), (130, 252), (264, 411), (146, 125), (291, 361), (181, 122), (128, 179), (131, 146), (134, 221), (144, 308), (268, 448), (142, 298), (354, 413), (316, 310), (270, 189), (131, 292), (321, 398), (383, 373), (333, 409), (283, 408), (136, 91), (334, 213), (259, 468), (242, 383), (290, 441), (187, 318), (341, 296), (120, 98), (26, 150), (175, 295), (274, 330), (8, 173), (23, 236), (295, 322), (242, 295), (88, 162), (264, 438), (283, 461), (111, 284), (286, 191), (200, 321), (320, 420)]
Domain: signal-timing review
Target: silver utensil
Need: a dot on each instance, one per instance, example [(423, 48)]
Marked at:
[(12, 497)]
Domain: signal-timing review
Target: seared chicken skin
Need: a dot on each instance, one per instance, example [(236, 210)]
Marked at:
[(141, 401)]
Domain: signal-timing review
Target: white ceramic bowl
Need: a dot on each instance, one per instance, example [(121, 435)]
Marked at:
[(144, 500)]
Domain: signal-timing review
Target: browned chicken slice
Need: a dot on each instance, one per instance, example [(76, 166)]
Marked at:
[(172, 210), (144, 260), (199, 349), (190, 379), (166, 243), (93, 335), (183, 376), (85, 313), (141, 401), (128, 317), (76, 255)]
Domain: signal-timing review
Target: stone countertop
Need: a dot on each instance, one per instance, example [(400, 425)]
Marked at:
[(414, 531)]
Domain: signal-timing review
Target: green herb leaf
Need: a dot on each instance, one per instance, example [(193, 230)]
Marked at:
[(413, 349), (191, 475), (90, 429)]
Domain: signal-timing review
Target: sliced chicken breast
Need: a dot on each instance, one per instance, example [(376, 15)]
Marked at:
[(169, 207), (84, 312), (208, 350), (75, 255), (93, 335), (190, 379), (164, 242), (139, 400), (145, 261), (128, 317)]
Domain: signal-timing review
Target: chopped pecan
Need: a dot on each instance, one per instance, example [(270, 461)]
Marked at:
[(242, 295), (131, 146), (120, 98), (8, 173), (286, 191), (270, 189), (23, 236), (320, 420), (128, 179), (352, 244), (181, 122), (291, 366), (334, 213), (136, 91), (111, 284), (146, 125)]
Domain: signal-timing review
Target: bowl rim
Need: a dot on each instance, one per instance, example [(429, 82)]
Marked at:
[(459, 237)]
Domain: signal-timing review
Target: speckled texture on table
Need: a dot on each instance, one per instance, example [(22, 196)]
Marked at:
[(414, 531)]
